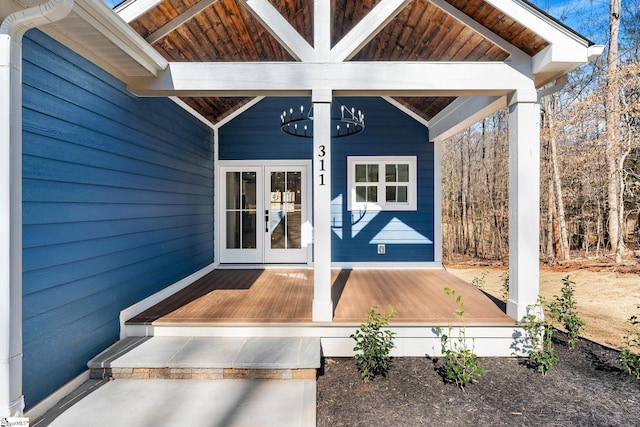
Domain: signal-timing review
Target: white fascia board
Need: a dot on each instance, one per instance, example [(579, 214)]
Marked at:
[(342, 78), (557, 59), (99, 16), (281, 29), (462, 113), (539, 23), (367, 29), (131, 9)]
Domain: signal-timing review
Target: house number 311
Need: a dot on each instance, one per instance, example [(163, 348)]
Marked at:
[(321, 153)]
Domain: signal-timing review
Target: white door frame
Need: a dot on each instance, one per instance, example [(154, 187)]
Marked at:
[(307, 228)]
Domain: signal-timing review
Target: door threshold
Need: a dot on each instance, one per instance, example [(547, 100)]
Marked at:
[(239, 266)]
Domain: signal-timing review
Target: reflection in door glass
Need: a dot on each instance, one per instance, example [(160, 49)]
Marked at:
[(285, 217), (241, 210)]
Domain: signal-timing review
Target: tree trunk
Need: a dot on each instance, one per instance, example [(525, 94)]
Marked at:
[(557, 183), (612, 136)]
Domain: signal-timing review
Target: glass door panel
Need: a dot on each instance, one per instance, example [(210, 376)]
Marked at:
[(285, 215), (240, 220)]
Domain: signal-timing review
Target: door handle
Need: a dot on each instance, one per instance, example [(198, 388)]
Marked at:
[(266, 221)]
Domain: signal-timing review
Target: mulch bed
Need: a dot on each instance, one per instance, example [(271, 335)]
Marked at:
[(587, 388)]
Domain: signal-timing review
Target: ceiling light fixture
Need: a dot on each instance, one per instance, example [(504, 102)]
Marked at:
[(344, 122)]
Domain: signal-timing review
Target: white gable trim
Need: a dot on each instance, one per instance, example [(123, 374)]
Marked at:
[(280, 28), (367, 29)]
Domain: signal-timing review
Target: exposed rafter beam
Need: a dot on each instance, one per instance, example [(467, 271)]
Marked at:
[(367, 29), (481, 29), (131, 9), (179, 20), (343, 78), (279, 28), (462, 113)]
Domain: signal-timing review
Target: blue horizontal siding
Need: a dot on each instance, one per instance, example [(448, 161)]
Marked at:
[(255, 134), (117, 205), (408, 235)]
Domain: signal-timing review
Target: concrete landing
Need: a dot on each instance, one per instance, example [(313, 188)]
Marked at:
[(193, 403), (209, 358), (165, 381)]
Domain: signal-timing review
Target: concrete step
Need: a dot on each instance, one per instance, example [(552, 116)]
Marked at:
[(209, 358)]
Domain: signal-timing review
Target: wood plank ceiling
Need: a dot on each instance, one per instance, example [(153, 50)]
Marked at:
[(224, 30)]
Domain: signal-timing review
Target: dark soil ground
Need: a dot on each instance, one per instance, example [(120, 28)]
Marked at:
[(587, 388)]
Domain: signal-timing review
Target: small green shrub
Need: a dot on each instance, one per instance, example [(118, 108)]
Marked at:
[(374, 344), (505, 286), (462, 365), (478, 282), (542, 356), (563, 310), (630, 356)]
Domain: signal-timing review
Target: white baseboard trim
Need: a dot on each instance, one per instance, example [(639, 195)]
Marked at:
[(388, 265), (154, 299), (52, 400)]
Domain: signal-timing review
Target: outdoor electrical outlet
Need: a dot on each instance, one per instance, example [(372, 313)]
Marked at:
[(381, 249)]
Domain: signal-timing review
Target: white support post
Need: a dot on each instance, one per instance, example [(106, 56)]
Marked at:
[(437, 202), (524, 207), (322, 303)]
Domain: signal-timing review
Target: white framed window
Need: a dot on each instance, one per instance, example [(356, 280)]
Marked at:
[(382, 183)]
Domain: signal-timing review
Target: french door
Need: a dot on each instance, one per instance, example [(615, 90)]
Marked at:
[(264, 214)]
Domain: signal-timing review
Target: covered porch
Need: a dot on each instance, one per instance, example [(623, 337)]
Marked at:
[(278, 302), (285, 296)]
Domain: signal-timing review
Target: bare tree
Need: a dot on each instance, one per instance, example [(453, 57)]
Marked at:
[(612, 137)]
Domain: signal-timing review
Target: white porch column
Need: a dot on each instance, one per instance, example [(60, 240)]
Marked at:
[(524, 205), (322, 303)]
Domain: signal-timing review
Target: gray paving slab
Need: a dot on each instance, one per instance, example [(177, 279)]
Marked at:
[(208, 352), (211, 352), (154, 353), (193, 403), (269, 353)]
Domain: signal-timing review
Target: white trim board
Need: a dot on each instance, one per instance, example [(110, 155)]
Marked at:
[(154, 299), (49, 402)]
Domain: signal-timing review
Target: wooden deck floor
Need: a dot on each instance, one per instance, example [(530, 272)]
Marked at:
[(285, 296)]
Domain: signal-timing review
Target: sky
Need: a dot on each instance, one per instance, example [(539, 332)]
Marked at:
[(588, 17)]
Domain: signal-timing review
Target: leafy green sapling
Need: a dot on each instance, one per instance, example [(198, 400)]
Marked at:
[(374, 344), (462, 365), (563, 309)]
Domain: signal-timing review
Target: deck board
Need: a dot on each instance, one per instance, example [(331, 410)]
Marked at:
[(286, 296)]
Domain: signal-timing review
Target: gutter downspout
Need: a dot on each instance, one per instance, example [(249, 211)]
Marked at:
[(12, 30)]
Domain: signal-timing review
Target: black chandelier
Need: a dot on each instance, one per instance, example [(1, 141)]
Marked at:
[(346, 122)]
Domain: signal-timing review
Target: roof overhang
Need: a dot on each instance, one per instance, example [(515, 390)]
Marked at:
[(122, 42)]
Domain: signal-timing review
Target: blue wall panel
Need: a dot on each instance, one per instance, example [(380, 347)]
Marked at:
[(408, 236), (117, 204), (255, 134)]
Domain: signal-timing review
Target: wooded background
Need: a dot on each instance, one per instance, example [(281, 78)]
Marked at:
[(590, 157)]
